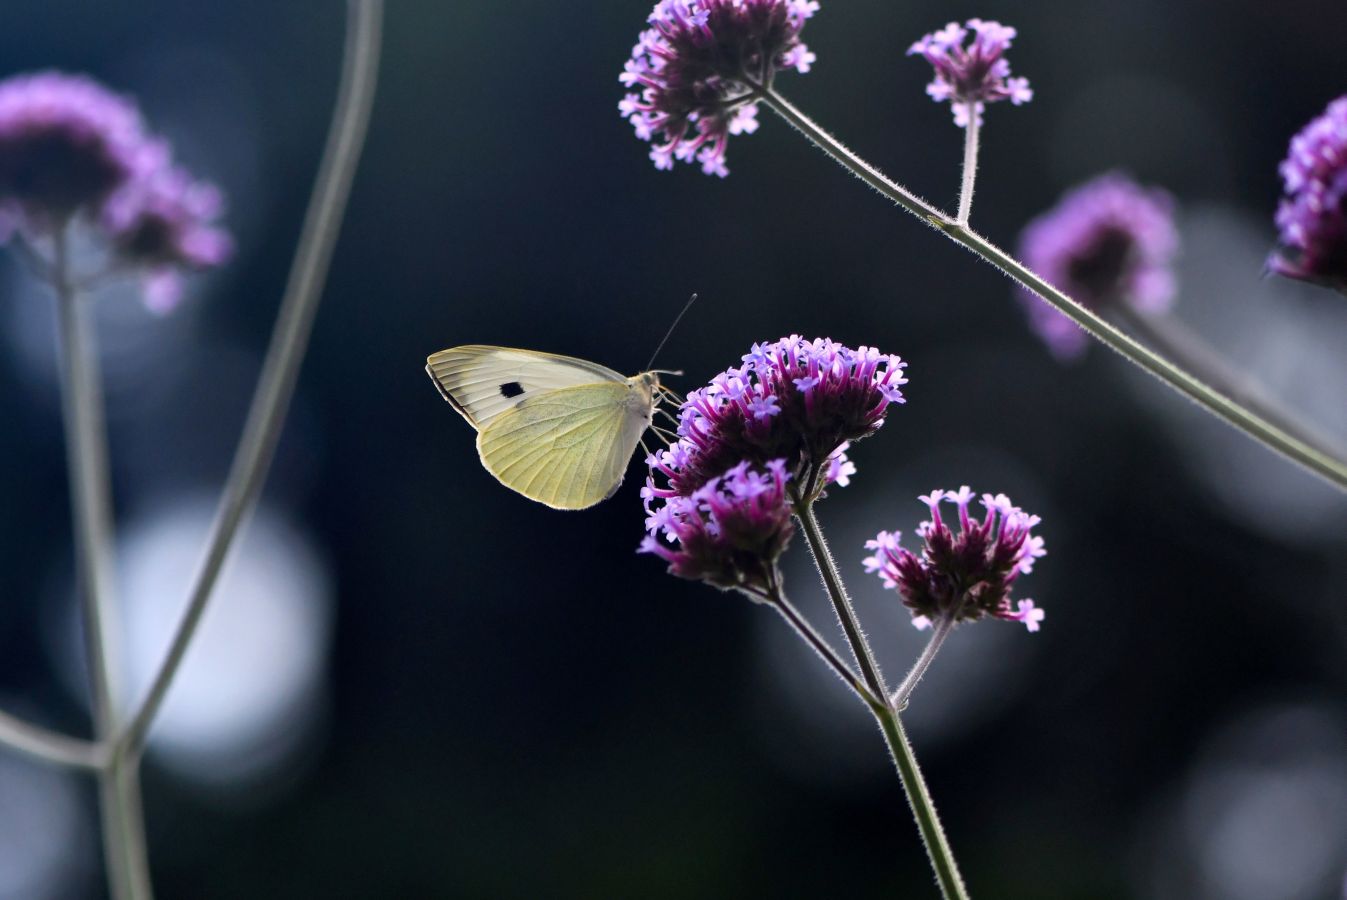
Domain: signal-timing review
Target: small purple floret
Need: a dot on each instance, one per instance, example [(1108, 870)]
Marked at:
[(797, 400), (164, 223), (1312, 216), (968, 575), (694, 72), (975, 75), (1107, 241), (729, 533)]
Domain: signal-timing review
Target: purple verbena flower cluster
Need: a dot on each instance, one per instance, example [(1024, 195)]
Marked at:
[(1106, 242), (729, 532), (974, 75), (968, 575), (698, 68), (797, 400), (72, 150), (1312, 216), (162, 223)]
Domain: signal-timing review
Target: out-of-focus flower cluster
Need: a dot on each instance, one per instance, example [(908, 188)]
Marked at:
[(972, 75), (729, 532), (72, 151), (1312, 216), (796, 400), (1108, 241), (967, 575), (694, 73)]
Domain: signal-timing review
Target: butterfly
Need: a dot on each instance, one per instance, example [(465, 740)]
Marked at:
[(557, 429)]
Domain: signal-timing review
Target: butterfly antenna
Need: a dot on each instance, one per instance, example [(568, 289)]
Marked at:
[(679, 318)]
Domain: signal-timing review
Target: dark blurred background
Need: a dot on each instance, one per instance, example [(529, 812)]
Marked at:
[(417, 684)]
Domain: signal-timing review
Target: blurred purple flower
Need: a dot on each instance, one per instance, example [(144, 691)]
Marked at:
[(69, 147), (66, 145), (161, 224), (977, 74), (1107, 241), (697, 67), (968, 575), (729, 532), (797, 400), (1312, 216)]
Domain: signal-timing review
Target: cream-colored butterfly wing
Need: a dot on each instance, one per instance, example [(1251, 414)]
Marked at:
[(483, 382), (568, 448)]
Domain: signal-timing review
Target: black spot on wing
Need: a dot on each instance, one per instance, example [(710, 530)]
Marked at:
[(511, 389)]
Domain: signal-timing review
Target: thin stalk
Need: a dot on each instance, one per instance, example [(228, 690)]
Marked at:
[(938, 850), (837, 593), (1172, 338), (943, 863), (939, 632), (1327, 466), (776, 597), (91, 501), (289, 341), (970, 163), (48, 746), (90, 483)]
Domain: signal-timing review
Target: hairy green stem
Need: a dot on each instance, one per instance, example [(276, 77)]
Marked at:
[(837, 593), (938, 850), (289, 340), (1326, 465), (914, 786), (970, 163), (1169, 336), (776, 597), (939, 632)]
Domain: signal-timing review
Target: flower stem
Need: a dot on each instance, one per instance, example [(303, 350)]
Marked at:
[(923, 808), (938, 634), (91, 501), (1325, 465), (48, 746), (289, 341), (1174, 340), (846, 614), (914, 786), (970, 163), (776, 596)]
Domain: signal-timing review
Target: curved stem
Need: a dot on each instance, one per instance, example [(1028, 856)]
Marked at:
[(970, 163), (48, 746), (776, 597), (1327, 466), (837, 593), (938, 634), (288, 342)]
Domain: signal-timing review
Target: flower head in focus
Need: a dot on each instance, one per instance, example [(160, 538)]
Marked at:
[(67, 144), (695, 71), (972, 75), (729, 533), (795, 400), (1312, 217), (967, 575), (1106, 242), (163, 224)]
